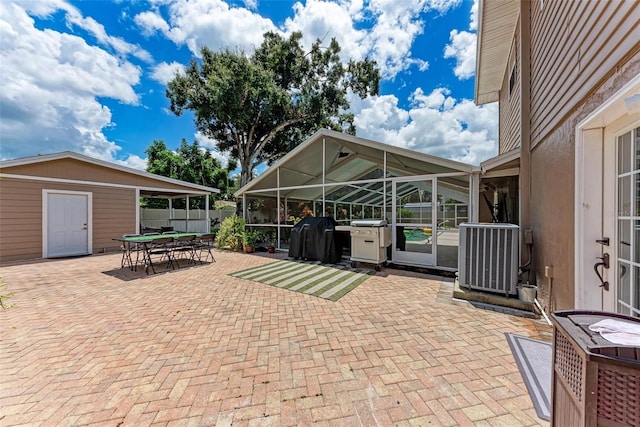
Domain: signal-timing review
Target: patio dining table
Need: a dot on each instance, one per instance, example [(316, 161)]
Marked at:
[(146, 244)]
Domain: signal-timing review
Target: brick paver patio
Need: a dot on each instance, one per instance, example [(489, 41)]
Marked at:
[(89, 344)]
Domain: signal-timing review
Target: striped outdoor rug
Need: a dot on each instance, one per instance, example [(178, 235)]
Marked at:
[(329, 281)]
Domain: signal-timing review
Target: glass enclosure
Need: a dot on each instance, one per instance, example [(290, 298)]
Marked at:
[(424, 199)]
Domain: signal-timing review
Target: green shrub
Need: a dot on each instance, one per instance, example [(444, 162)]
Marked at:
[(231, 233), (250, 238)]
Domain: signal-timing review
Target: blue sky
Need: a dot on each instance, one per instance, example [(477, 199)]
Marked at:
[(90, 76)]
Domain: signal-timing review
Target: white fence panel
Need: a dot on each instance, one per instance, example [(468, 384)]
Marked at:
[(158, 218)]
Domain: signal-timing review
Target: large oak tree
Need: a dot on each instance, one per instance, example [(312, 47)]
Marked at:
[(258, 107)]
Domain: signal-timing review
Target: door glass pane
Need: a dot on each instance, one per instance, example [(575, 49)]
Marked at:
[(624, 239), (624, 197), (624, 153), (637, 148), (452, 208), (636, 194), (635, 292), (414, 217), (624, 290), (636, 243)]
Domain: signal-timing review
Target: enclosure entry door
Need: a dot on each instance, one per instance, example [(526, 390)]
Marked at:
[(414, 213), (67, 224)]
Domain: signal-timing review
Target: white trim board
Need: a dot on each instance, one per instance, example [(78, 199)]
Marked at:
[(99, 184)]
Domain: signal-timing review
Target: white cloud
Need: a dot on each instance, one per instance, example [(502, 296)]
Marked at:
[(150, 22), (133, 161), (394, 27), (463, 49), (436, 124), (212, 23), (51, 82), (164, 72), (390, 39), (473, 25), (44, 8)]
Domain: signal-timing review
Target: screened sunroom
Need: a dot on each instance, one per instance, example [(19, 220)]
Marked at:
[(423, 198)]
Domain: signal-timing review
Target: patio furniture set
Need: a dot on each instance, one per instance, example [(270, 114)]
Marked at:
[(169, 248)]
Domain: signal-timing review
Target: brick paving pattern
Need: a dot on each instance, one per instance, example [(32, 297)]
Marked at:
[(89, 344)]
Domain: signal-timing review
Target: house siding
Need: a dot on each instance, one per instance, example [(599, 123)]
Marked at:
[(553, 170), (21, 213), (576, 46), (509, 103)]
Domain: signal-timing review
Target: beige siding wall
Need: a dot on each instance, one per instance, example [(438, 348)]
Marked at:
[(509, 118), (553, 189), (81, 171), (114, 213), (575, 47)]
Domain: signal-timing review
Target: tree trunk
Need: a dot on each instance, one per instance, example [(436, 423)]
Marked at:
[(245, 174)]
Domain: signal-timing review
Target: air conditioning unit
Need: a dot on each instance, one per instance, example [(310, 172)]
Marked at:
[(488, 257)]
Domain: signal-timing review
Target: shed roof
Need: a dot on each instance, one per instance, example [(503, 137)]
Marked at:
[(497, 21), (171, 185)]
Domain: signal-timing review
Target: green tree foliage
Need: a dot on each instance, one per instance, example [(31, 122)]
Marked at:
[(261, 106), (188, 163)]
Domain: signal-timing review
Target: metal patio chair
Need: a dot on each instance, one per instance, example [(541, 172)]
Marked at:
[(184, 248), (160, 248), (128, 249), (203, 245)]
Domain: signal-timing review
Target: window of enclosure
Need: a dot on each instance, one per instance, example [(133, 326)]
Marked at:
[(453, 202), (298, 210), (261, 210), (354, 201), (453, 209)]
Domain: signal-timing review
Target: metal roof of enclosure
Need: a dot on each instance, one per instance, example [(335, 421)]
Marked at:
[(346, 160)]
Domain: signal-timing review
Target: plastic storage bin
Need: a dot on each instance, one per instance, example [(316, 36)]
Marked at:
[(595, 382)]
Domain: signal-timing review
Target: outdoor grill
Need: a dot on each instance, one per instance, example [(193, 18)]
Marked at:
[(369, 241)]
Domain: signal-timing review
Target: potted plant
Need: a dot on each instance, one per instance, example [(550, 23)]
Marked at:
[(249, 240), (269, 238)]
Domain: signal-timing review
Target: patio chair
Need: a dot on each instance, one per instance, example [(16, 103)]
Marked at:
[(203, 245), (184, 246), (160, 248), (128, 249)]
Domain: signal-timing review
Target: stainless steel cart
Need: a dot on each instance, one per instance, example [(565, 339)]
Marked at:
[(369, 241)]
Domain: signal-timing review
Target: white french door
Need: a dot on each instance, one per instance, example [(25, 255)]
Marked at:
[(607, 205), (621, 219)]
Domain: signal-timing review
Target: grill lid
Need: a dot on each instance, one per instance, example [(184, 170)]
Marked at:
[(369, 223)]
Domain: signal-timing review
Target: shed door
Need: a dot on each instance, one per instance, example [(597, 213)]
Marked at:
[(67, 224)]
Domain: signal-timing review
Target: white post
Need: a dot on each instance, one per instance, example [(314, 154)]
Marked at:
[(138, 230), (186, 221), (170, 212), (206, 217)]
